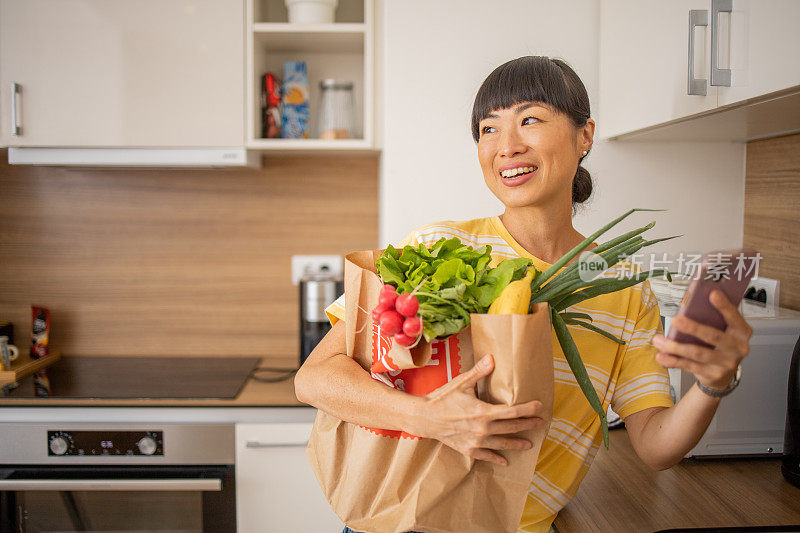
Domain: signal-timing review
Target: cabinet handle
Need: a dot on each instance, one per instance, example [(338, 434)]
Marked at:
[(257, 444), (16, 127), (719, 76), (698, 86)]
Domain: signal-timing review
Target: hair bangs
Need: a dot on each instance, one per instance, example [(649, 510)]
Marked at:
[(535, 79)]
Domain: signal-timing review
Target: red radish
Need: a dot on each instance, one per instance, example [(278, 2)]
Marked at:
[(404, 340), (388, 288), (391, 322), (407, 305), (387, 298), (379, 309), (412, 326)]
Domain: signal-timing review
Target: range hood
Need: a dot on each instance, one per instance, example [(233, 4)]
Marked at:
[(135, 157)]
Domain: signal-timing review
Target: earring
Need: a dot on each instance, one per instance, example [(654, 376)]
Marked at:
[(585, 152)]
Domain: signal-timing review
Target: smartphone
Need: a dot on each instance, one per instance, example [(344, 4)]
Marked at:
[(727, 270)]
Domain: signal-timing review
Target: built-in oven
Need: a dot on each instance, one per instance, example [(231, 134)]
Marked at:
[(114, 477)]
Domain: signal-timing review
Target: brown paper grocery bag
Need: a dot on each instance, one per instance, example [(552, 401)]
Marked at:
[(520, 375), (388, 481)]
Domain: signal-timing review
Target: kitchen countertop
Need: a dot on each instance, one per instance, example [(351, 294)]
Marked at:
[(253, 394), (620, 493)]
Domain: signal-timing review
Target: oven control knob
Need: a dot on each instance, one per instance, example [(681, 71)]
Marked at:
[(59, 445), (147, 445)]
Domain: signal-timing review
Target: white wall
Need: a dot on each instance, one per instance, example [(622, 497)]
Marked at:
[(435, 56)]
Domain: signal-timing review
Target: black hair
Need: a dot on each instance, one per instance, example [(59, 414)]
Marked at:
[(542, 80)]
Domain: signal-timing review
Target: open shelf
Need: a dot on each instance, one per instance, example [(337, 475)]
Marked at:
[(332, 38), (342, 50), (24, 366), (309, 144)]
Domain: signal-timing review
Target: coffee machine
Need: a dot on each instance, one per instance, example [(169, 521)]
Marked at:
[(791, 444), (317, 291)]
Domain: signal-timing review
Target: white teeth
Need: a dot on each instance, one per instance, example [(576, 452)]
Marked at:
[(517, 171)]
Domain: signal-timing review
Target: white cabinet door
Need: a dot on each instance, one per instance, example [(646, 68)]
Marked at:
[(124, 74), (760, 42), (644, 57), (275, 487)]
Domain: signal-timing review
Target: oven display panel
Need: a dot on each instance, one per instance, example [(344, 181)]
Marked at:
[(94, 443)]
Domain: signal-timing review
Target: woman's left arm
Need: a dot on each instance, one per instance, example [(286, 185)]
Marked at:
[(662, 436)]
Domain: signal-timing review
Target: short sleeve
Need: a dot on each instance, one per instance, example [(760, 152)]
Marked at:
[(642, 383), (335, 311)]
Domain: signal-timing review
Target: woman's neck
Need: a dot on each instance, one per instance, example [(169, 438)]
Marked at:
[(545, 233)]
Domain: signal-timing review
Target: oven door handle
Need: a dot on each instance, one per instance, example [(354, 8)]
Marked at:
[(210, 484)]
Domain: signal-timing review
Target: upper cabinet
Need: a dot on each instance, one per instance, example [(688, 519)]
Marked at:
[(114, 73), (644, 67), (662, 62), (760, 45), (341, 50)]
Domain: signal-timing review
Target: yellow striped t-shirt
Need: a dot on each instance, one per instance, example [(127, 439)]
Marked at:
[(626, 377)]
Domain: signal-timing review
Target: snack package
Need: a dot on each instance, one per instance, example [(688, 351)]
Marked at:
[(270, 106), (40, 332), (386, 481), (295, 100), (40, 347)]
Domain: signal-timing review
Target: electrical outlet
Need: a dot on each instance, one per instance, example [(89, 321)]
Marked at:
[(316, 265), (770, 286)]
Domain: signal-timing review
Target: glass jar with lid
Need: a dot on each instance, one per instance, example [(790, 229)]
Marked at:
[(337, 110)]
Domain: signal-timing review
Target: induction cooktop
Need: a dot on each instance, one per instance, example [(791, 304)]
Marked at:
[(144, 377)]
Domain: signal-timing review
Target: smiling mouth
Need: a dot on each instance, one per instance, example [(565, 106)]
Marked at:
[(516, 173)]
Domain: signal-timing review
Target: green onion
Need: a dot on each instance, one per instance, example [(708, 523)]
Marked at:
[(569, 278), (609, 286), (567, 315), (576, 365), (622, 238), (592, 327), (544, 276), (566, 288)]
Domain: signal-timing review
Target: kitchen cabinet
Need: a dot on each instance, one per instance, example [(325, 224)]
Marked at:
[(764, 45), (111, 73), (342, 50), (645, 62), (275, 487)]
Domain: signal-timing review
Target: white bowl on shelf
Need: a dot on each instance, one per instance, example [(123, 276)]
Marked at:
[(311, 11)]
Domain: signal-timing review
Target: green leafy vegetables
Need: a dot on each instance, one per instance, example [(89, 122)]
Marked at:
[(451, 281)]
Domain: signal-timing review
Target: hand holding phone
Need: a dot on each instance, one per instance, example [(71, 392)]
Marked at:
[(727, 270)]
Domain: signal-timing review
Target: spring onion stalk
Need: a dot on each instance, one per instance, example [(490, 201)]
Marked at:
[(622, 238), (570, 316), (610, 254), (572, 282), (613, 285), (544, 276), (576, 365), (566, 288), (592, 327)]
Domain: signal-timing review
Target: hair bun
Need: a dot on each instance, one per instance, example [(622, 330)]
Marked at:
[(581, 186)]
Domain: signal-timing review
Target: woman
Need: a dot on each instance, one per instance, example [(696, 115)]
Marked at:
[(531, 124)]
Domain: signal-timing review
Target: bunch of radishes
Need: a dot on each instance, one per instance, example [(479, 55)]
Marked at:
[(397, 316)]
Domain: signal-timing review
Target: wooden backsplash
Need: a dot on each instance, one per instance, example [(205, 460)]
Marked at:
[(772, 211), (176, 262)]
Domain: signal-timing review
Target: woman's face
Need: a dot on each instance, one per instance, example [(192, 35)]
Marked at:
[(529, 154)]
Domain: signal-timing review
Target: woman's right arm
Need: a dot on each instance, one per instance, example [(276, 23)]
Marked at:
[(333, 382)]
